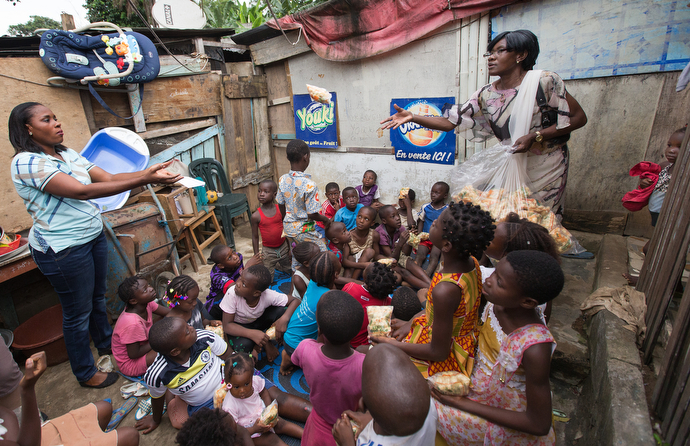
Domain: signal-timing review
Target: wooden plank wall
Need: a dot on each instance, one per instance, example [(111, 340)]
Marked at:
[(165, 99), (658, 279), (280, 111), (247, 149)]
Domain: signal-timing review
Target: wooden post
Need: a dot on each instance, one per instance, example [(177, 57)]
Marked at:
[(67, 21)]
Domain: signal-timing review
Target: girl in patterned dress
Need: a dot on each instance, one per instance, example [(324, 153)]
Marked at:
[(510, 397), (445, 336)]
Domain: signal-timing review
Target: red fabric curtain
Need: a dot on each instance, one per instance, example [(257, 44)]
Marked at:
[(343, 30)]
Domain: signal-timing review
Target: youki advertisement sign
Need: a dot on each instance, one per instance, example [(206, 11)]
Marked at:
[(413, 142), (315, 122)]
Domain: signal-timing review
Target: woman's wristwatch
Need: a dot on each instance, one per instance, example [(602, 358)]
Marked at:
[(539, 137)]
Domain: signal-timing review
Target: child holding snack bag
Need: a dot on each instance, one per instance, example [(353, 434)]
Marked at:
[(333, 370), (130, 343), (444, 338), (246, 399), (509, 402), (406, 198), (250, 308), (427, 215)]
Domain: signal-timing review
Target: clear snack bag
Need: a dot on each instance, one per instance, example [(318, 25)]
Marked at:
[(379, 320), (450, 383), (269, 416)]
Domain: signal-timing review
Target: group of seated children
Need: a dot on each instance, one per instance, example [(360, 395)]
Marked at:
[(363, 388)]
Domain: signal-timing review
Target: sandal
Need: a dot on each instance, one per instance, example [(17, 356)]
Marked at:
[(145, 409), (104, 364), (581, 255), (120, 413), (133, 389)]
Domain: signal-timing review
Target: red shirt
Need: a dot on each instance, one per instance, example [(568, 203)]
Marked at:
[(366, 300), (328, 210), (271, 229)]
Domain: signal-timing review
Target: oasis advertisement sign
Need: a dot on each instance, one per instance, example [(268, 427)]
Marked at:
[(315, 122), (412, 142)]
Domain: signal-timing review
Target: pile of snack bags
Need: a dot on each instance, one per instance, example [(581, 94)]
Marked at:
[(500, 202)]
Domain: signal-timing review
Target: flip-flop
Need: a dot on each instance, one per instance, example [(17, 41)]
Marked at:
[(120, 413), (582, 255)]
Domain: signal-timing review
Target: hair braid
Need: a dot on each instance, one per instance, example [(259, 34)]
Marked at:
[(469, 229), (380, 280)]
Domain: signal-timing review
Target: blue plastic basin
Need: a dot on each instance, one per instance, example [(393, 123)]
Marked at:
[(116, 150)]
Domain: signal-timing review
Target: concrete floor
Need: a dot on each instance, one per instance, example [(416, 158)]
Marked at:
[(58, 391)]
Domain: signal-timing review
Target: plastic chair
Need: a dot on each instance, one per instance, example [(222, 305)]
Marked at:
[(229, 205)]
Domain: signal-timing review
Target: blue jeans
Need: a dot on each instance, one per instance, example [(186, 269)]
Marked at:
[(78, 274)]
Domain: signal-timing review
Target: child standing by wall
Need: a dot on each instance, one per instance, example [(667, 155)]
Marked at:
[(250, 308), (131, 348), (444, 338), (268, 221), (656, 200), (348, 214), (227, 268), (247, 397), (333, 370), (323, 270), (499, 409), (368, 191), (330, 206), (182, 297), (299, 199)]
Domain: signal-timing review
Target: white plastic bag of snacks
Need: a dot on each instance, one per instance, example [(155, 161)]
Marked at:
[(319, 94), (450, 383), (496, 180), (269, 416), (379, 320), (217, 330)]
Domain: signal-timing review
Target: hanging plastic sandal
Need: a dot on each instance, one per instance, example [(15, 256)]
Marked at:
[(120, 413), (581, 255)]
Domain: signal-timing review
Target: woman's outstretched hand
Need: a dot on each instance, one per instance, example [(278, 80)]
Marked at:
[(401, 117), (158, 174)]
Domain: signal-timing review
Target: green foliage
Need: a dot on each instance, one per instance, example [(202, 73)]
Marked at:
[(107, 11), (36, 22), (240, 17)]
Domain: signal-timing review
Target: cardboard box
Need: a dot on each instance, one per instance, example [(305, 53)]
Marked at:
[(170, 197)]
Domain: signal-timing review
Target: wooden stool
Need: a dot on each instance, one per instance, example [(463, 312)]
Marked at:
[(200, 237), (184, 242)]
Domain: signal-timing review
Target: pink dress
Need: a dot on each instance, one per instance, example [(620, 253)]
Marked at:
[(131, 328), (335, 386), (497, 380), (246, 411)]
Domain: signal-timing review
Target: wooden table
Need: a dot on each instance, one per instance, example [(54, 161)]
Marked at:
[(9, 270)]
